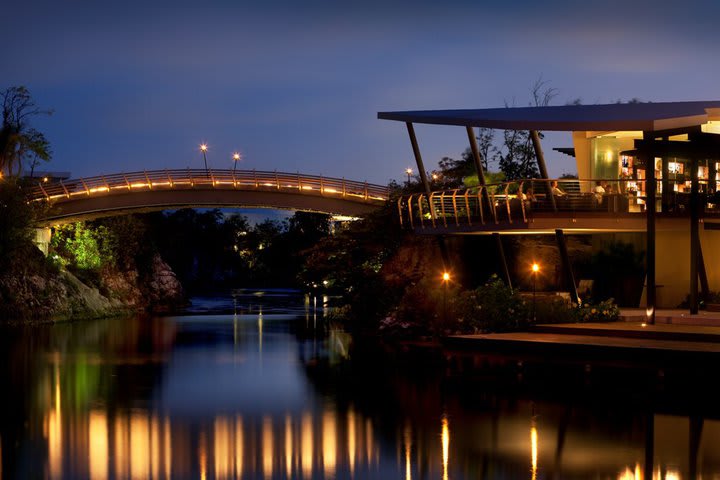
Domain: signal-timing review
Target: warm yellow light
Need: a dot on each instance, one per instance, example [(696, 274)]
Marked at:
[(446, 277), (408, 171), (203, 147), (535, 268), (45, 179), (236, 156), (435, 176), (445, 435)]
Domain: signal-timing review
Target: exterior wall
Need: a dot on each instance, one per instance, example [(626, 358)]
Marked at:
[(582, 156), (673, 265)]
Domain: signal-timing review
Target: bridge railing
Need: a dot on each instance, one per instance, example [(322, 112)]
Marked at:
[(214, 179), (518, 201)]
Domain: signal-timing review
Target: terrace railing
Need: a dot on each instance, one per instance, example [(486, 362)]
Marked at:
[(119, 183), (518, 201)]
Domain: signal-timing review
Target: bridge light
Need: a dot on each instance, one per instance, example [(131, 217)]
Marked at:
[(236, 158)]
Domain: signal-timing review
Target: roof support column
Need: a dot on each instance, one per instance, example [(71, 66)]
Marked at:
[(480, 170), (503, 260), (535, 136), (567, 266), (694, 235), (420, 165), (650, 190)]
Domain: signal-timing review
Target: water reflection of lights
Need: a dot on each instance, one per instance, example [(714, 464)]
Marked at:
[(267, 447), (351, 445), (445, 446), (533, 448), (140, 444), (407, 439)]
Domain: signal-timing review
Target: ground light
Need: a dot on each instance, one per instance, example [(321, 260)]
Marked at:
[(534, 269)]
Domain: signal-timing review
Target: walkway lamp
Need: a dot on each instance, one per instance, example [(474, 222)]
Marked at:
[(535, 268), (409, 172), (236, 159), (445, 281), (203, 149)]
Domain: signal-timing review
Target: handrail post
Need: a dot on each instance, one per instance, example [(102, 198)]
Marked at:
[(67, 193), (87, 190), (366, 190), (467, 207), (255, 178), (344, 187), (507, 201), (399, 207), (47, 197), (420, 212), (277, 180), (442, 207), (147, 179), (410, 214), (480, 203), (170, 180), (457, 222), (299, 182)]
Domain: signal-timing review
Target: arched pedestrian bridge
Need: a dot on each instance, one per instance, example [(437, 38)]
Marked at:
[(121, 193)]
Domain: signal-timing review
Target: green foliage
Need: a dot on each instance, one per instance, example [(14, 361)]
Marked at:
[(83, 246), (605, 311)]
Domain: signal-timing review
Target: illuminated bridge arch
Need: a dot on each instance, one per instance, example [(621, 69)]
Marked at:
[(122, 193)]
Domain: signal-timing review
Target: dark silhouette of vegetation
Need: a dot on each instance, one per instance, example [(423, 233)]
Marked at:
[(210, 250), (19, 141)]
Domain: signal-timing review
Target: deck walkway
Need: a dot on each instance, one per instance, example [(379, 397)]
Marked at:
[(618, 343)]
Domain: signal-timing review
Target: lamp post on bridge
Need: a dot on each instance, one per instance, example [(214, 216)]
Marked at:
[(203, 149), (236, 158)]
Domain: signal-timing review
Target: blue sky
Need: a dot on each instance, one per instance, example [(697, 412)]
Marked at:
[(296, 86)]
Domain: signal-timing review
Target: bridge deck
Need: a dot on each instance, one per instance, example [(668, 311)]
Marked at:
[(152, 190)]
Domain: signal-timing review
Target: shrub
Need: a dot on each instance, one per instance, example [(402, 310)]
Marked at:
[(605, 311)]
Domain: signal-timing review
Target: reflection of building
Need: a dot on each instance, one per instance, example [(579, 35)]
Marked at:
[(653, 160)]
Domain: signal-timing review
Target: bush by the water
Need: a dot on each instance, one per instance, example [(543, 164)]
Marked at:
[(433, 309)]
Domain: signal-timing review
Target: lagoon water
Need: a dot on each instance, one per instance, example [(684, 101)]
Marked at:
[(259, 385)]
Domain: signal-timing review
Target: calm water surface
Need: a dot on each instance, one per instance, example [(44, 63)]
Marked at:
[(259, 386)]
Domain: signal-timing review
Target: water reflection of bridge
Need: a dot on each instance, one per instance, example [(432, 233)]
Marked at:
[(121, 193)]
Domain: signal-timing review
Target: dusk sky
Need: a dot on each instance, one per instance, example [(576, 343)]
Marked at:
[(296, 86)]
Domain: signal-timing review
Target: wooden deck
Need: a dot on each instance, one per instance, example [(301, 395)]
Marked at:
[(619, 343)]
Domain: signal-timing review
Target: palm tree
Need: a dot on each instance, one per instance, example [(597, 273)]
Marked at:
[(18, 140)]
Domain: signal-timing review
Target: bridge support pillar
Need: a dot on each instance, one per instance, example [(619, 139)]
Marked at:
[(42, 239), (567, 266)]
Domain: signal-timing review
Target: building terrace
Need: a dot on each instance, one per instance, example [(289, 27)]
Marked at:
[(643, 167)]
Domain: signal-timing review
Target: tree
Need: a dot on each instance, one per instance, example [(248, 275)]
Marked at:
[(19, 142), (516, 158)]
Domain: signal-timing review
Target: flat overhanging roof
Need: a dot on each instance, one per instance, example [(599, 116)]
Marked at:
[(571, 118)]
